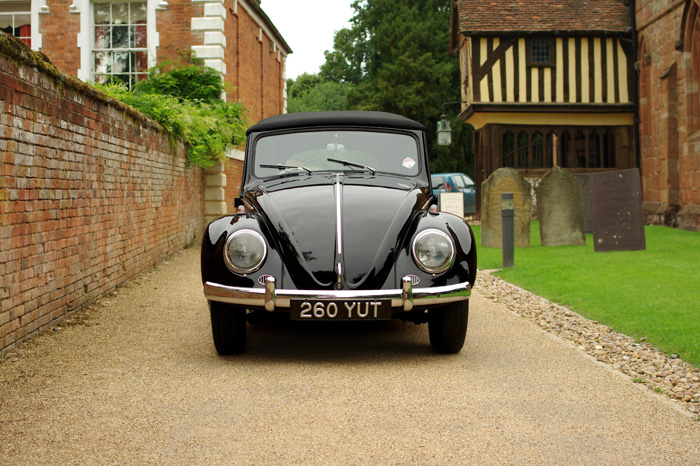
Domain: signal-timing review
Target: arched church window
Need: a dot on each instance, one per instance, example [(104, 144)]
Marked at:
[(692, 45)]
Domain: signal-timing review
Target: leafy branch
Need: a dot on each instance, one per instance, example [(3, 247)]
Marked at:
[(186, 101)]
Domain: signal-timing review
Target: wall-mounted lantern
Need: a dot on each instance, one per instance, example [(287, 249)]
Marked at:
[(444, 131), (444, 128)]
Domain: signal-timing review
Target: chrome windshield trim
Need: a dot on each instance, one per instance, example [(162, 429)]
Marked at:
[(406, 297)]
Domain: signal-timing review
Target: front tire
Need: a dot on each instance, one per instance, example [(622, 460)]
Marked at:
[(228, 327), (447, 327)]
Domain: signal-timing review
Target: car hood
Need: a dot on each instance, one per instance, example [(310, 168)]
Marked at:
[(302, 217)]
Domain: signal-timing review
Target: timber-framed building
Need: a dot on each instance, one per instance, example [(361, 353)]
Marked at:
[(547, 83)]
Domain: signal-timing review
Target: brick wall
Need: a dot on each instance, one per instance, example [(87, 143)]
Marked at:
[(91, 194), (669, 78), (249, 65), (272, 79), (234, 175), (231, 53), (254, 68), (174, 29), (60, 30), (256, 78)]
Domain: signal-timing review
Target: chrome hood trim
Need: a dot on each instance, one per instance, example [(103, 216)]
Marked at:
[(338, 188)]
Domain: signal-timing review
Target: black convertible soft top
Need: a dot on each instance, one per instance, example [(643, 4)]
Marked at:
[(316, 119)]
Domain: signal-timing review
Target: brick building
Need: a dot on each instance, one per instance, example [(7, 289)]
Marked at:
[(668, 38), (100, 39)]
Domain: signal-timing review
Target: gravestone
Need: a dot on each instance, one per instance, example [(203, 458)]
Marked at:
[(560, 209), (587, 219), (616, 208), (505, 180)]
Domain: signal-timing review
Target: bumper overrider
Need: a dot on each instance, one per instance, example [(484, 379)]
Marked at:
[(271, 298)]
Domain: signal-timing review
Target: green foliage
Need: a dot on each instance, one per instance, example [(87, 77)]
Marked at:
[(396, 55), (190, 81), (345, 64), (303, 84), (208, 126), (311, 93), (646, 293)]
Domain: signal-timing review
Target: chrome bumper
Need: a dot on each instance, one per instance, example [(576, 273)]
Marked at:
[(271, 298)]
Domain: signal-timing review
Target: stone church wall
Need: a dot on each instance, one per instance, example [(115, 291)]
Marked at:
[(669, 110)]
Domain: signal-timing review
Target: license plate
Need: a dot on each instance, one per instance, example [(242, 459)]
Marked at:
[(340, 310)]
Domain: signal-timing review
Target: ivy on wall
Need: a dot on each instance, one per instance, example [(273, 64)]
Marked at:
[(186, 100)]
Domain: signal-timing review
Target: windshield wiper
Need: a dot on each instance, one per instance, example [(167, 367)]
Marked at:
[(353, 165), (286, 167)]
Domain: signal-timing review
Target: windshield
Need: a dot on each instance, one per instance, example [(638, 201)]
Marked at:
[(350, 151)]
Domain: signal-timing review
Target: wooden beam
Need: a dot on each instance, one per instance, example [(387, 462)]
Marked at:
[(498, 53)]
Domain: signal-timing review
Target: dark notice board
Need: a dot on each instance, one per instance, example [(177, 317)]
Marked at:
[(616, 210)]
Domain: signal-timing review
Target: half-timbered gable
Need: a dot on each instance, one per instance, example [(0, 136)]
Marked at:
[(564, 71), (547, 83)]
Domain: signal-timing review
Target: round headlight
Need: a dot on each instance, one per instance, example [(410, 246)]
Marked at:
[(433, 251), (245, 251)]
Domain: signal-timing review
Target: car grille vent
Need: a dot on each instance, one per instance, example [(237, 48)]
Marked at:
[(414, 279), (263, 278)]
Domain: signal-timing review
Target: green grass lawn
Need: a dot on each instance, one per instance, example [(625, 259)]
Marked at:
[(653, 293)]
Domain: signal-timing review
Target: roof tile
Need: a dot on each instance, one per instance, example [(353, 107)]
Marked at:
[(543, 15)]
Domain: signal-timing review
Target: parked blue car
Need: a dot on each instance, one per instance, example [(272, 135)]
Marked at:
[(456, 182)]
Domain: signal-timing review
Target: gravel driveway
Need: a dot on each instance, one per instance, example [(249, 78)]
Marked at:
[(137, 381)]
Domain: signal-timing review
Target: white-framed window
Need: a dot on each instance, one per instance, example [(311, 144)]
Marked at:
[(120, 45), (15, 19)]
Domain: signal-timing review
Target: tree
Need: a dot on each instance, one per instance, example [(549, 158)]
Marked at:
[(396, 55), (314, 93), (324, 96), (345, 64), (303, 84)]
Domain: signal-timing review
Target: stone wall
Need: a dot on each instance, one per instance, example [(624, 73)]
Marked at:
[(668, 61), (91, 194)]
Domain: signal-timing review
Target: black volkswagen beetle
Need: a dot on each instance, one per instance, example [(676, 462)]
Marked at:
[(337, 221)]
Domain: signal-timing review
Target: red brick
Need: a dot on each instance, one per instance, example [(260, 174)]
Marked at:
[(83, 197), (58, 220), (669, 109)]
